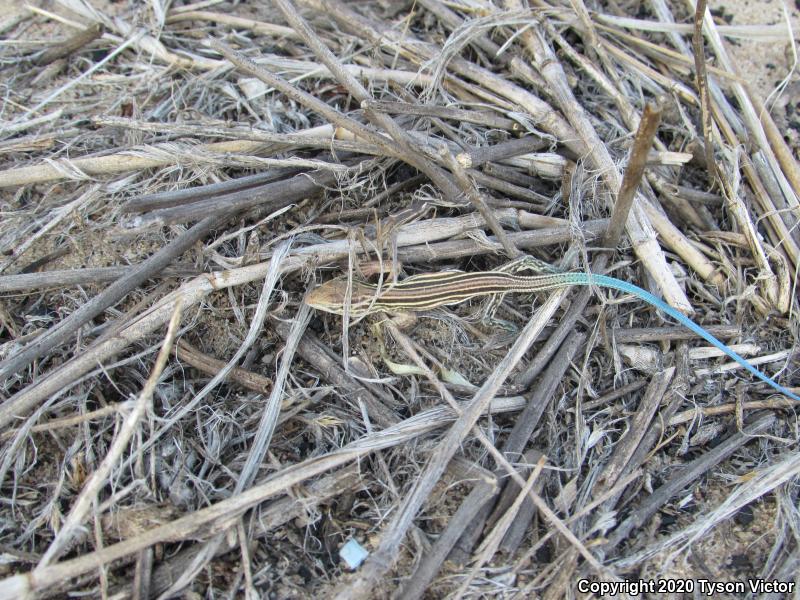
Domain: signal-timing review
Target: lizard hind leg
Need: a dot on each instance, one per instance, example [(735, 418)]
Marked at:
[(522, 263), (489, 311), (402, 321)]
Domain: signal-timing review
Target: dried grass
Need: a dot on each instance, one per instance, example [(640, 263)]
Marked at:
[(174, 417)]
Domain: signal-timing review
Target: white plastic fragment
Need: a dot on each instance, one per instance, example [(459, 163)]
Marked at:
[(353, 554)]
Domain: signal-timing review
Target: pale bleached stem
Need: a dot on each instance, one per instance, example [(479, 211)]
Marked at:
[(638, 227)]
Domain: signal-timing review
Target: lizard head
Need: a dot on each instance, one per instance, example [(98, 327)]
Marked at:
[(330, 297)]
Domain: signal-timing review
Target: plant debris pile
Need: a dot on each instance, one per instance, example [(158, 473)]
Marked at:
[(179, 417)]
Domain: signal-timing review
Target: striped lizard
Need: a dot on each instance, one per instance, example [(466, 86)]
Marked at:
[(431, 290)]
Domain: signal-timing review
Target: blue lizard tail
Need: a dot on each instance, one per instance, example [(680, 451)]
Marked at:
[(624, 286)]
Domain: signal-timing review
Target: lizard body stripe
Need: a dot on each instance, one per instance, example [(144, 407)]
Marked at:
[(429, 290)]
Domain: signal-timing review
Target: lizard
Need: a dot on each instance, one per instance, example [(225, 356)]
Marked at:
[(431, 290)]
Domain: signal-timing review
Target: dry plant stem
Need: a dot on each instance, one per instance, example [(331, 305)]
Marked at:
[(88, 494), (437, 176), (749, 113), (543, 114), (269, 417), (103, 571), (692, 195), (15, 127), (675, 240), (639, 335), (479, 155), (211, 366), (672, 236), (172, 198), (122, 162), (512, 176), (71, 45), (33, 142), (400, 186), (524, 560), (539, 399), (143, 575), (325, 137), (677, 88), (255, 327), (612, 395), (298, 187), (55, 424), (61, 332), (648, 125), (684, 477), (452, 533), (463, 248), (753, 125), (468, 189), (563, 577), (293, 190), (72, 277), (638, 227), (206, 199), (503, 464), (86, 198), (493, 540), (698, 217), (786, 238), (246, 565), (415, 586), (381, 560), (246, 198), (772, 202), (314, 352), (624, 449), (627, 111), (723, 409), (257, 27), (515, 535), (433, 230), (270, 517), (454, 21), (668, 26), (516, 66), (663, 12), (738, 211), (220, 514), (146, 44), (701, 81), (410, 151), (782, 152), (72, 82), (670, 57), (508, 189), (655, 434), (761, 484), (10, 22), (486, 118), (594, 47), (524, 426), (311, 102)]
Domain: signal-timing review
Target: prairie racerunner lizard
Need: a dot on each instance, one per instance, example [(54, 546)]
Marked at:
[(431, 290)]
